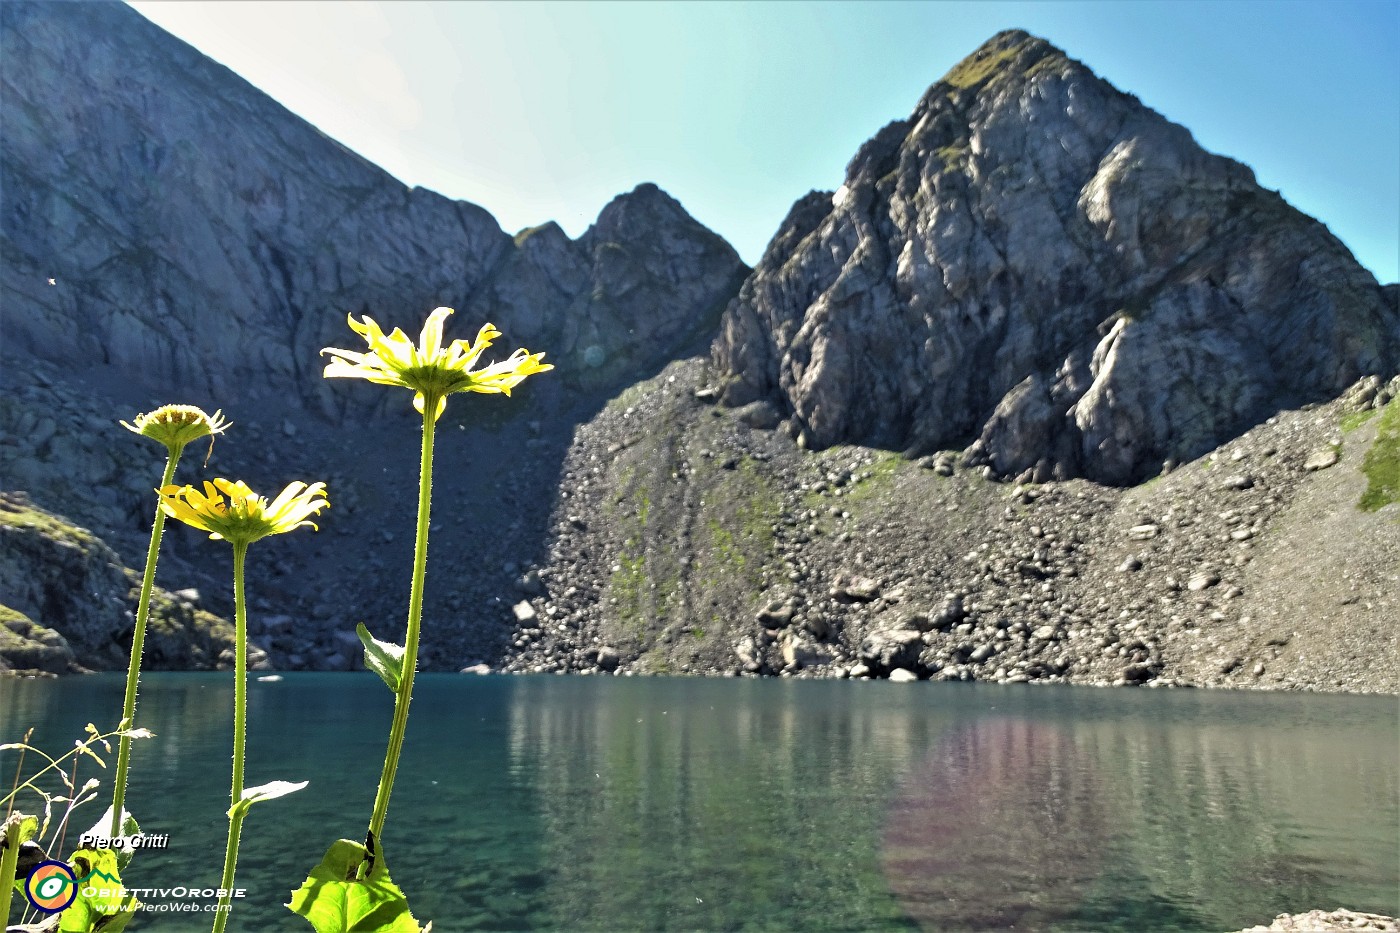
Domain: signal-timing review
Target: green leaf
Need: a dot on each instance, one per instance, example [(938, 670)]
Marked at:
[(102, 830), (382, 657), (19, 829), (269, 791), (335, 900), (103, 904)]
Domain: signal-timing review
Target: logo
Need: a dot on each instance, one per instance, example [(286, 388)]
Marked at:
[(51, 886)]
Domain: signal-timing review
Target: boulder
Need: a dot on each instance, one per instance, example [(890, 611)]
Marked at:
[(883, 651)]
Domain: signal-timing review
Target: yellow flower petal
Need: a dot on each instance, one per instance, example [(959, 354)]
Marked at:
[(430, 343), (419, 402), (429, 368), (231, 510)]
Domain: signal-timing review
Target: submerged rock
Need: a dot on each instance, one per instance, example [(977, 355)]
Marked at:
[(1318, 921)]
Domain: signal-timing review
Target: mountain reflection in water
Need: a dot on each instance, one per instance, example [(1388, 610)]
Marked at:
[(621, 804), (1000, 827)]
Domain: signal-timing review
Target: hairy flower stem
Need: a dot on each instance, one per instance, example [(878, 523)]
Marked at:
[(240, 723), (138, 641), (9, 865), (415, 614)]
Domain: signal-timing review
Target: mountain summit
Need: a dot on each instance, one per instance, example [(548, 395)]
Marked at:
[(1038, 268)]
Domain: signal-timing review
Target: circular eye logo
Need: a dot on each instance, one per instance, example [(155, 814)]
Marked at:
[(51, 886)]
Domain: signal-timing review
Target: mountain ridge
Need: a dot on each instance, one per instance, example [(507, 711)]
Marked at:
[(994, 286), (247, 234)]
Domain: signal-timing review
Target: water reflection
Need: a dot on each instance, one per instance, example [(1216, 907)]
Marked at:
[(196, 708), (651, 804), (1145, 823), (999, 828), (712, 809)]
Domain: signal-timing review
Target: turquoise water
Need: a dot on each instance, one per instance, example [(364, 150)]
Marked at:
[(688, 804)]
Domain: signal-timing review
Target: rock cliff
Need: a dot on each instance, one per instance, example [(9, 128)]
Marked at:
[(170, 234), (1039, 268), (68, 604), (165, 221)]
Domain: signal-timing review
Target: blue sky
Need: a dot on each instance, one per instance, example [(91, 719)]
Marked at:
[(545, 111)]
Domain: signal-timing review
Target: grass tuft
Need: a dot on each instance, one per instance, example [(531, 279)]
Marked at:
[(1382, 463)]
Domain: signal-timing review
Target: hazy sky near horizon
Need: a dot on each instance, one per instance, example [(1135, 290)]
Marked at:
[(547, 110)]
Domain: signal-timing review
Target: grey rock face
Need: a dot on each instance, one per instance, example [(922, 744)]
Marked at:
[(25, 645), (170, 234), (203, 240), (66, 602), (1035, 262)]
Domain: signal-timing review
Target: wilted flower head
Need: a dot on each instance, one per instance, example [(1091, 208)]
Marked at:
[(177, 425), (245, 516), (430, 369)]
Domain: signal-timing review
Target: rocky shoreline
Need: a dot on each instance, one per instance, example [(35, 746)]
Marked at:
[(1324, 921), (685, 537), (853, 562)]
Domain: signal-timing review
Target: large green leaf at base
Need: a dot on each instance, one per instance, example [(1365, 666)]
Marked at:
[(110, 908), (335, 901)]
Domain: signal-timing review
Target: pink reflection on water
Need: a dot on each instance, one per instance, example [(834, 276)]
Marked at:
[(1000, 828)]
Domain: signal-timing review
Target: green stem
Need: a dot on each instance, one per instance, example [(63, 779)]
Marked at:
[(138, 641), (415, 614), (240, 717), (9, 863)]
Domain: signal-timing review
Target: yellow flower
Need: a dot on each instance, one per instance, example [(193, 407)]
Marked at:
[(177, 425), (245, 516), (430, 369)]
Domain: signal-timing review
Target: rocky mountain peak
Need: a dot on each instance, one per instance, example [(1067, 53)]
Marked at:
[(169, 233), (1010, 54), (646, 202), (1038, 268)]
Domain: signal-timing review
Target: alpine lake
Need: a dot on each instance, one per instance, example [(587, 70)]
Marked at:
[(639, 804)]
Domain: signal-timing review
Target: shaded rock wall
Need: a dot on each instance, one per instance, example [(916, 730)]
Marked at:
[(170, 234), (201, 239)]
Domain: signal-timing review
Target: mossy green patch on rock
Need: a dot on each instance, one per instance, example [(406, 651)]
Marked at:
[(180, 636), (627, 586), (953, 156), (627, 397), (740, 529), (1382, 463), (986, 64), (72, 605), (1050, 64), (1356, 419), (974, 70), (16, 511), (25, 645), (523, 235), (875, 477)]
